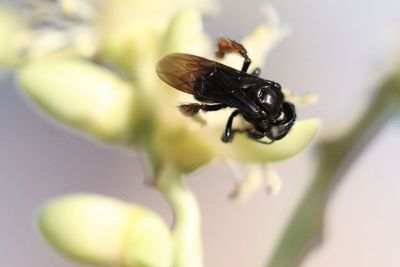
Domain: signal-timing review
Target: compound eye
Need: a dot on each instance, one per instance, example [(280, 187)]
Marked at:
[(267, 98), (271, 100), (277, 86)]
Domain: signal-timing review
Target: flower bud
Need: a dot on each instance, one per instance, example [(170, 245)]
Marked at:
[(82, 94), (185, 34), (103, 231), (246, 150)]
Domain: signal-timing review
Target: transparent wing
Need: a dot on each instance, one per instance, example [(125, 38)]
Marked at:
[(182, 71)]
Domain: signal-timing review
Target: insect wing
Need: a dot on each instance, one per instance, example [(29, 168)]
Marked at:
[(208, 80), (182, 71)]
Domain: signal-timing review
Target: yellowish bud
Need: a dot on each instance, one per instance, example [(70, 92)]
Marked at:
[(81, 94), (246, 150), (104, 231)]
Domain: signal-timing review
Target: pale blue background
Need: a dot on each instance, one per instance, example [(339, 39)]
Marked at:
[(336, 50)]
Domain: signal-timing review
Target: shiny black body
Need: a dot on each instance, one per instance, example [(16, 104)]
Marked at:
[(260, 102)]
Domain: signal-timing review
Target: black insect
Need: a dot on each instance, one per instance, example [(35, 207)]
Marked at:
[(260, 102)]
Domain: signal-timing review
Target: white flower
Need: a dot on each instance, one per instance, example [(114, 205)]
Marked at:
[(91, 64), (111, 91)]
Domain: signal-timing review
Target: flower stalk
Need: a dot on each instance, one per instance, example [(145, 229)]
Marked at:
[(305, 229), (186, 229)]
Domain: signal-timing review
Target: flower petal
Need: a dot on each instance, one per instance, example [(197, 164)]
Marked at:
[(265, 37), (260, 41), (131, 33), (104, 231), (249, 185), (246, 150), (185, 34), (81, 94)]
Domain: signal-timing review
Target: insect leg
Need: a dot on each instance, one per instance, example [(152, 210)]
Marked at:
[(229, 132), (256, 136), (193, 108), (226, 45), (264, 142)]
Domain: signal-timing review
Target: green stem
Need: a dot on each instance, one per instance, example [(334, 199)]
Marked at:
[(186, 229), (305, 227)]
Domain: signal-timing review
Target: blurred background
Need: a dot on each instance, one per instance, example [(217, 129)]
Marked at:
[(337, 49)]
